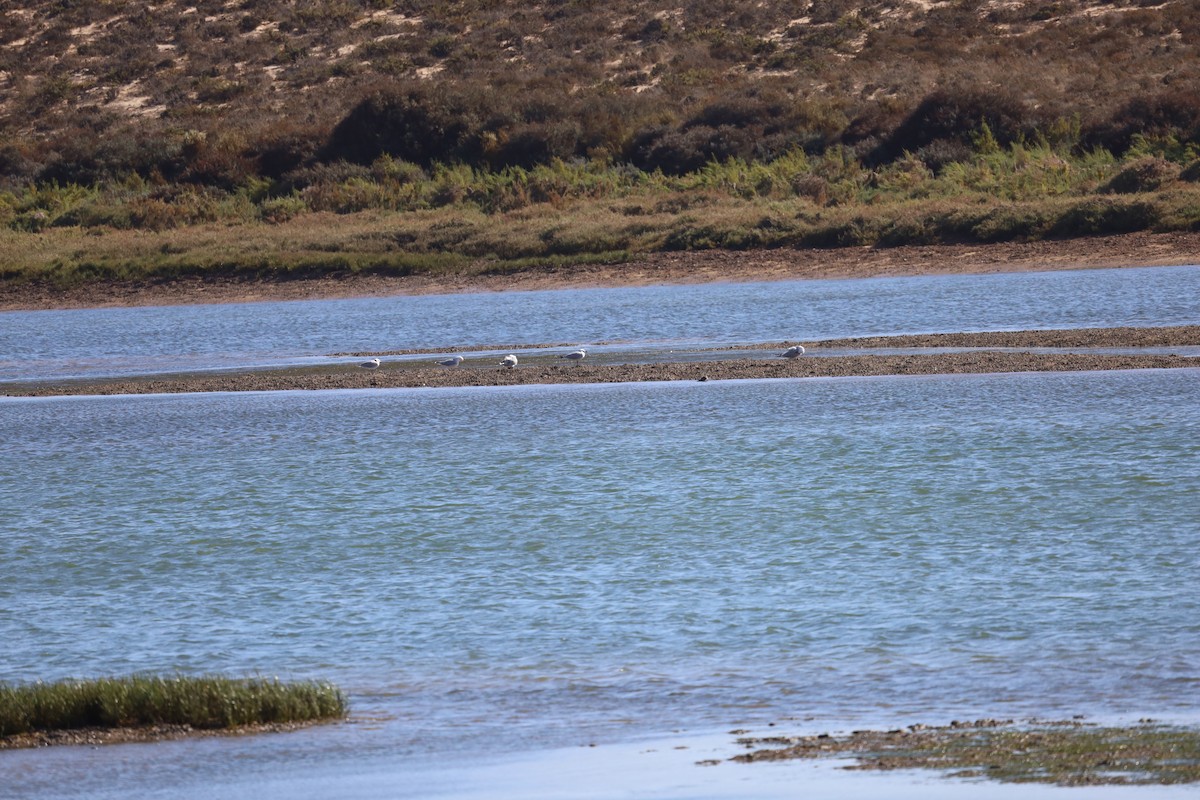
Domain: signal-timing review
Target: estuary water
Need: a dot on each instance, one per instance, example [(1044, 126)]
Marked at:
[(495, 572), (126, 341)]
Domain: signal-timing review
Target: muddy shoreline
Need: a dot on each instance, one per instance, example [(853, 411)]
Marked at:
[(1059, 752), (992, 353), (1127, 250), (1069, 752), (94, 737)]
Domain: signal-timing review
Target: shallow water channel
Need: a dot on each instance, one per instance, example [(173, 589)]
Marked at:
[(501, 577), (48, 345)]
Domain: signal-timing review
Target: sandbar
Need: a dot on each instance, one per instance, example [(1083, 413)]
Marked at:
[(932, 354)]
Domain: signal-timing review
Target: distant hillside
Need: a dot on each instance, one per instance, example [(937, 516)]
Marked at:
[(216, 93), (271, 140)]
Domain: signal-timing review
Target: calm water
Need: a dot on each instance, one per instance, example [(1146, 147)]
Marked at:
[(493, 571), (489, 570), (55, 344)]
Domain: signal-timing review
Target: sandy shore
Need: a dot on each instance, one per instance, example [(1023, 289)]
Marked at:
[(1129, 250), (1021, 351)]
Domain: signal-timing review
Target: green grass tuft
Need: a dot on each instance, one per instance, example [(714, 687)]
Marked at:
[(210, 702)]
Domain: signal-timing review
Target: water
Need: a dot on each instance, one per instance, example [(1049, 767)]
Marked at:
[(497, 571), (123, 341)]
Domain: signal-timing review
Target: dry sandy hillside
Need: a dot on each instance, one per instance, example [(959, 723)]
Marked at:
[(269, 80)]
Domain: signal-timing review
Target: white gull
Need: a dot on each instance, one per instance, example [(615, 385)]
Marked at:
[(576, 356)]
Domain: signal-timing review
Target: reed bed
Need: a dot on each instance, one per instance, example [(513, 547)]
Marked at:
[(210, 702), (462, 241), (400, 219)]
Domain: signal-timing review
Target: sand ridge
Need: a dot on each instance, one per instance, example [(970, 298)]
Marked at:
[(999, 352)]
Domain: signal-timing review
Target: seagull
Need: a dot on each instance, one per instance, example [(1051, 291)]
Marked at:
[(576, 356), (793, 351), (453, 361), (372, 364), (509, 361)]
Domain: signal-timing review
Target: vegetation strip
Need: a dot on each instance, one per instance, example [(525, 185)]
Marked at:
[(1064, 753), (280, 140), (165, 703), (679, 267)]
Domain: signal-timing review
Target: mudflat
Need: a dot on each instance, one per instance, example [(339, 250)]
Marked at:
[(1011, 351)]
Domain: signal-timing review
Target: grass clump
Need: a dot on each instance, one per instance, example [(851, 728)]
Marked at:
[(211, 702)]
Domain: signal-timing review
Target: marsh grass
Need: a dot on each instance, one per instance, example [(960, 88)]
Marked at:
[(141, 700), (467, 221)]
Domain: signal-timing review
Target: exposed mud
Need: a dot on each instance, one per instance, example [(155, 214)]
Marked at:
[(1066, 753), (94, 737), (548, 369)]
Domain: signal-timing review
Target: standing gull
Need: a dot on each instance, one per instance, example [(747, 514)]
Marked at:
[(453, 361), (576, 356), (372, 364), (793, 351), (509, 361)]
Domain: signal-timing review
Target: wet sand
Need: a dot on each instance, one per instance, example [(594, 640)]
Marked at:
[(1020, 351)]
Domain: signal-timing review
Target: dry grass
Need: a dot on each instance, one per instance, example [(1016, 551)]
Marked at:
[(466, 241), (211, 91)]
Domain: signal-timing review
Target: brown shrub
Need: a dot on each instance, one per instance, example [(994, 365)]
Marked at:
[(412, 122), (958, 114), (1171, 113), (521, 84)]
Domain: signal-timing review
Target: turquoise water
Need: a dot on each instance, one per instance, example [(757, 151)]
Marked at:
[(121, 341)]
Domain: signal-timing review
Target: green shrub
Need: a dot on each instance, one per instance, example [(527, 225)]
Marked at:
[(1101, 216), (1010, 223), (1144, 175), (857, 232), (282, 209)]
